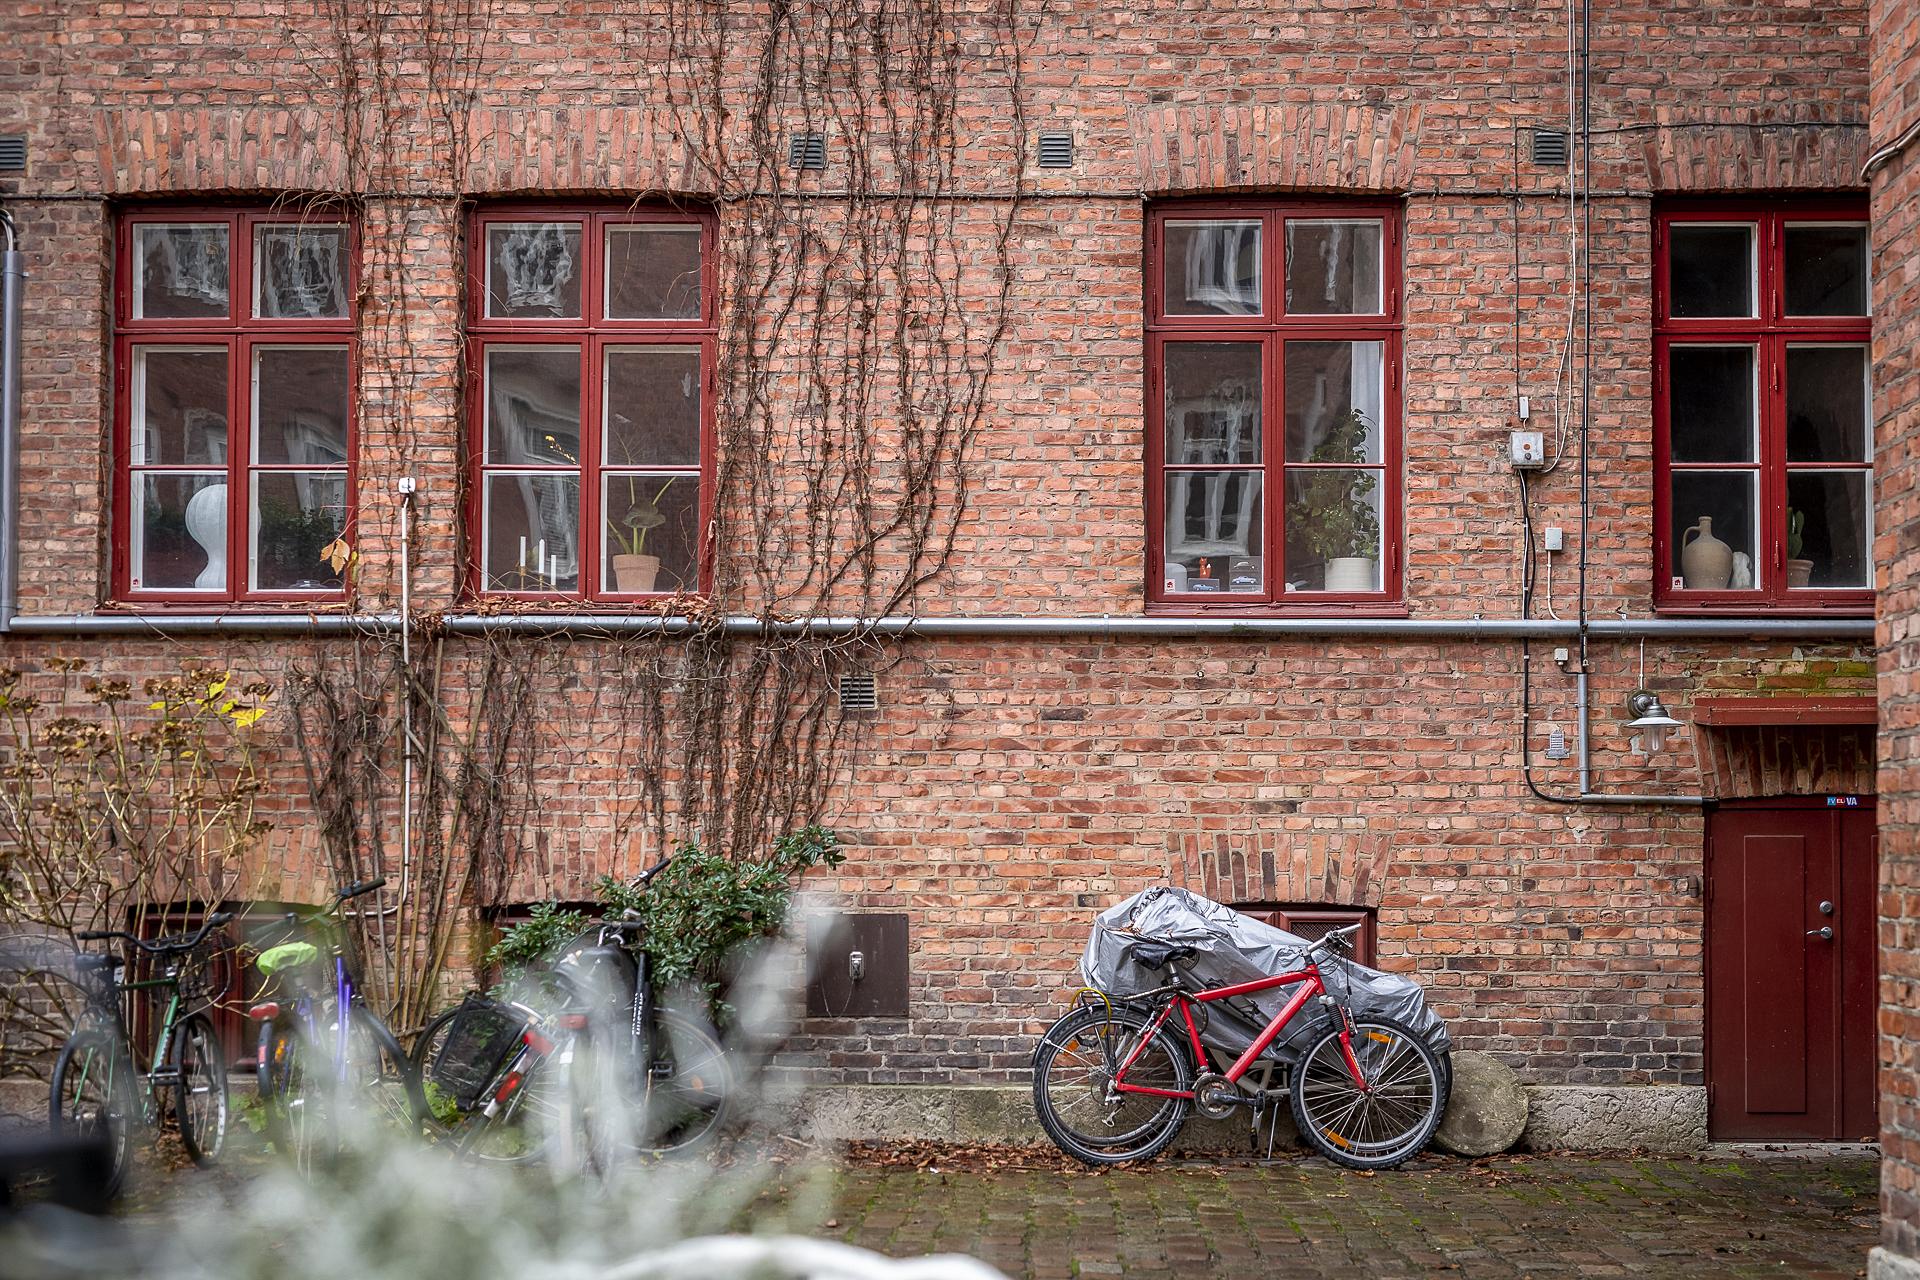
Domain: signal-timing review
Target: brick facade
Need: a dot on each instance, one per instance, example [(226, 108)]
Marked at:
[(1896, 210), (1011, 786)]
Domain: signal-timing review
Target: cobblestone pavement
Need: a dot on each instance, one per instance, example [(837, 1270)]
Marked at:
[(1528, 1216)]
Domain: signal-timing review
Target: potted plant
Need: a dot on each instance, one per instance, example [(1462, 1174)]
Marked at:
[(633, 569), (1329, 515), (1799, 572)]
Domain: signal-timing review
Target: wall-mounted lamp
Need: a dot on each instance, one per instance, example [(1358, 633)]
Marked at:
[(1650, 724)]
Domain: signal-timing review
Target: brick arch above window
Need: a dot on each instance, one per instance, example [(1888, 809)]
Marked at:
[(1350, 148)]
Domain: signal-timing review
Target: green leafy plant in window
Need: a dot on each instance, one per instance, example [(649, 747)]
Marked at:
[(1330, 513)]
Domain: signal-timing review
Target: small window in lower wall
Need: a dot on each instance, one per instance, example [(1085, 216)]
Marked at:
[(1312, 920)]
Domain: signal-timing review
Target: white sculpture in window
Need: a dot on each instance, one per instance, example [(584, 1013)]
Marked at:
[(535, 264)]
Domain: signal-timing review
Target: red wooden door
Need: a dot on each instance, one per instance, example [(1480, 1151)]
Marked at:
[(1790, 1011)]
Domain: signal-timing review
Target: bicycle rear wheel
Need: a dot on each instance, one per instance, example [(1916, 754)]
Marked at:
[(691, 1094), (200, 1103), (326, 1100), (92, 1097), (1384, 1123), (1074, 1071)]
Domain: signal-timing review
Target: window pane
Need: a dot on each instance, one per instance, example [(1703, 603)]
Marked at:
[(1714, 531), (300, 406), (300, 272), (1826, 270), (180, 271), (1711, 404), (652, 407), (1212, 267), (1333, 529), (1333, 267), (533, 406), (1214, 536), (652, 534), (1832, 546), (296, 514), (653, 272), (1334, 406), (1212, 402), (532, 532), (1827, 404), (179, 411), (1711, 270), (533, 270), (179, 530)]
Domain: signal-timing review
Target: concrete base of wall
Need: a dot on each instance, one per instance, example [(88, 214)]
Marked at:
[(1882, 1265), (1560, 1117)]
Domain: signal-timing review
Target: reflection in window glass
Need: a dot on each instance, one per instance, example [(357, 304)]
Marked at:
[(1211, 266), (1214, 531), (1714, 530), (300, 406), (533, 270), (1829, 531), (1825, 269), (653, 272), (180, 271), (1334, 393), (1827, 404), (652, 407), (652, 532), (296, 517), (1333, 529), (1712, 412), (533, 405), (1711, 270), (179, 406), (1333, 267), (1212, 411), (179, 531), (300, 272), (532, 531)]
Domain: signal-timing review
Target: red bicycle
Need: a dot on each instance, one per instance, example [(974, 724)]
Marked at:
[(1114, 1080)]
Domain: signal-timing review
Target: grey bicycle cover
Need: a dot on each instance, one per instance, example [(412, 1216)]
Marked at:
[(1231, 948)]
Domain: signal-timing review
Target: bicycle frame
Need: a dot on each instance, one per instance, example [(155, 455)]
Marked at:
[(111, 1013), (1184, 1000)]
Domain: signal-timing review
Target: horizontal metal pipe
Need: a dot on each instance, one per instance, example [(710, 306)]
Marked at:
[(1006, 627), (1599, 797)]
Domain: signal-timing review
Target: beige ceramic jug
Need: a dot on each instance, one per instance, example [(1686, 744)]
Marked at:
[(1706, 563)]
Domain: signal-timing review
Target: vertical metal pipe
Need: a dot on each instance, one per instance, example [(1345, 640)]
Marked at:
[(13, 290), (1586, 367)]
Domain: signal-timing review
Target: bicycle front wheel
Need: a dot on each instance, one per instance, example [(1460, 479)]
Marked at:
[(1381, 1119), (691, 1093), (92, 1098), (200, 1103), (1077, 1069)]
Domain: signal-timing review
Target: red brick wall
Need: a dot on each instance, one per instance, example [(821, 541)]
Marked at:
[(1011, 789), (1896, 210)]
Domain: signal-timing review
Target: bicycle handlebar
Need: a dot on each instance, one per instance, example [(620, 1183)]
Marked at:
[(360, 888), (1332, 935), (159, 946)]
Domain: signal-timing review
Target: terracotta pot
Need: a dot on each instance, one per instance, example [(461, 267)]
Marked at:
[(1706, 563), (635, 574), (1799, 572), (1351, 573)]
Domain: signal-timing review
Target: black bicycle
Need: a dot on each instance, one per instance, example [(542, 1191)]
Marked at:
[(606, 1071), (99, 1091)]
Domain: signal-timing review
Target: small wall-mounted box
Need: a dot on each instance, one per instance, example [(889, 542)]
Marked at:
[(857, 966), (1529, 450)]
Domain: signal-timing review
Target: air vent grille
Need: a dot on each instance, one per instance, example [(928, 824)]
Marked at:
[(807, 151), (1550, 146), (13, 152), (1056, 150), (859, 691)]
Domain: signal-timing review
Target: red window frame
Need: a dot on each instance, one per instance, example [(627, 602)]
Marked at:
[(1771, 332), (240, 332), (593, 333), (1272, 329), (1313, 921)]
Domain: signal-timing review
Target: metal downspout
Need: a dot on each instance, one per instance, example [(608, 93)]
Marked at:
[(13, 289)]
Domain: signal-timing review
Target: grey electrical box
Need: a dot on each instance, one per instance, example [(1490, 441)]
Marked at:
[(857, 966)]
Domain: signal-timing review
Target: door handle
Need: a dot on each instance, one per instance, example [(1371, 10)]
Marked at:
[(1824, 931)]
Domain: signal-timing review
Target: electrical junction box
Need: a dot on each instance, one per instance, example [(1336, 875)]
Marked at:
[(857, 965), (1553, 538), (1529, 450)]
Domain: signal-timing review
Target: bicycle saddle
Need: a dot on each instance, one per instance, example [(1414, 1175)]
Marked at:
[(1158, 955)]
